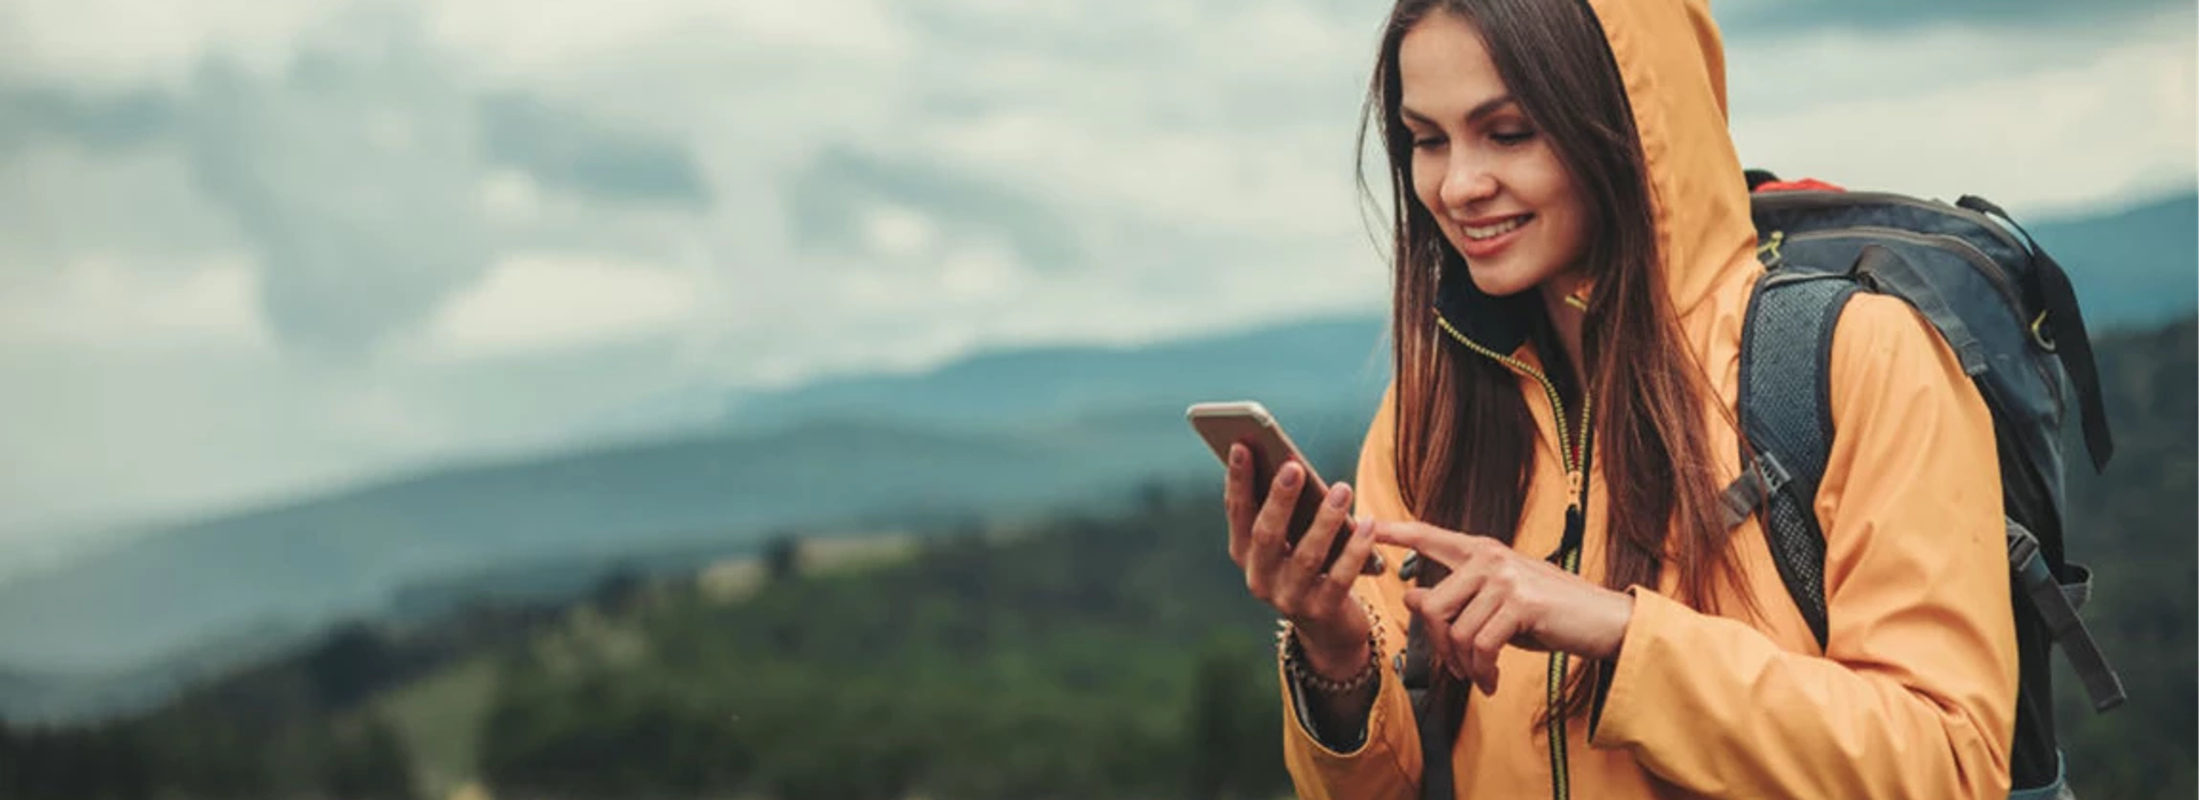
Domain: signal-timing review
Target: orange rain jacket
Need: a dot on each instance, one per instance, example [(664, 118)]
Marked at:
[(1914, 694)]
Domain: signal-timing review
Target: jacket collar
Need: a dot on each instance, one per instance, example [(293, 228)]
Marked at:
[(1498, 324)]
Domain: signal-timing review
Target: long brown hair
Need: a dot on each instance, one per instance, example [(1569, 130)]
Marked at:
[(1465, 438)]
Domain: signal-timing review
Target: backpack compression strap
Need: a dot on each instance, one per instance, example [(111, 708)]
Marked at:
[(2069, 341), (2058, 604)]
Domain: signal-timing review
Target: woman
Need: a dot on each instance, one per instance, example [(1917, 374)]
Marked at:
[(1573, 258)]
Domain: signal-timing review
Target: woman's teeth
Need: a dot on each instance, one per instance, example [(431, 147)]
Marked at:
[(1496, 230)]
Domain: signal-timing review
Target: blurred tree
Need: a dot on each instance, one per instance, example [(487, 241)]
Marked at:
[(1212, 735), (1153, 496), (599, 736), (782, 558), (349, 665), (369, 765), (618, 588), (1231, 738)]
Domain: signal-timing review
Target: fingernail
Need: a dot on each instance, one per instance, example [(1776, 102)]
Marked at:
[(1339, 495), (1237, 455), (1290, 476)]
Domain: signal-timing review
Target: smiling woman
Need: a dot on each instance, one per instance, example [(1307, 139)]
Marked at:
[(1508, 203), (1573, 257)]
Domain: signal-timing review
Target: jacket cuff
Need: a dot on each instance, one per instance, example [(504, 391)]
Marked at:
[(1618, 687), (1334, 738), (1329, 739), (1384, 761)]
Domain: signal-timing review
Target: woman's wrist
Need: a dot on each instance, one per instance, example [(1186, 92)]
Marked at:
[(1334, 663), (1338, 664), (1623, 614)]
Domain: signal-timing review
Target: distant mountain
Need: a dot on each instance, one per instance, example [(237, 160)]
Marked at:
[(1301, 368), (343, 553), (1027, 444), (2134, 268)]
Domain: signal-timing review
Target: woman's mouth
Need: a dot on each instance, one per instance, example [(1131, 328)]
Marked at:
[(1485, 241), (1486, 232)]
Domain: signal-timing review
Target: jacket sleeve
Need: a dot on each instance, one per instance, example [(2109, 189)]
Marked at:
[(1386, 764), (1915, 695)]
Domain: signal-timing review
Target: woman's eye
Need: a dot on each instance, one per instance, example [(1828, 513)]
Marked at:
[(1510, 138), (1428, 143)]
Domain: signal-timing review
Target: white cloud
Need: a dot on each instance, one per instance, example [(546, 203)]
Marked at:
[(2044, 141), (522, 40), (1816, 68), (103, 302), (354, 176), (117, 44), (534, 303), (509, 197), (981, 273), (60, 201), (900, 232)]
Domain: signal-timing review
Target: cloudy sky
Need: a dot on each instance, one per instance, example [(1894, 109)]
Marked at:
[(255, 247)]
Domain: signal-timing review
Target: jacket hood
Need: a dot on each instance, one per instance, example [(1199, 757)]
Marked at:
[(1673, 68)]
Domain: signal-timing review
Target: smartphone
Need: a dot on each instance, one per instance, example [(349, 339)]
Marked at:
[(1248, 422)]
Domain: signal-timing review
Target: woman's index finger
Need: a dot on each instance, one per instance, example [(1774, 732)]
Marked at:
[(1437, 544)]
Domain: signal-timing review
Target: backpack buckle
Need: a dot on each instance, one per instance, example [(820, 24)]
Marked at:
[(1776, 476), (2039, 336), (1769, 251), (2024, 548)]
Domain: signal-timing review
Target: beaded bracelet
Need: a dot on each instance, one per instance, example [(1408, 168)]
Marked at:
[(1289, 649)]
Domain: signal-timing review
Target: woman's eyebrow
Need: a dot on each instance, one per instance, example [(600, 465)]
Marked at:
[(1486, 108)]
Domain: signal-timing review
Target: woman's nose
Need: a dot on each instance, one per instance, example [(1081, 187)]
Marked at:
[(1466, 181)]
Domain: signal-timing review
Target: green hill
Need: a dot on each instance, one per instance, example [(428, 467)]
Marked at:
[(347, 555)]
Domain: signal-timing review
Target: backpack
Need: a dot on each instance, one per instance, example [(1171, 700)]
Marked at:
[(2009, 313)]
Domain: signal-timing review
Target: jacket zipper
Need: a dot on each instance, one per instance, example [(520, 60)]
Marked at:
[(1568, 556)]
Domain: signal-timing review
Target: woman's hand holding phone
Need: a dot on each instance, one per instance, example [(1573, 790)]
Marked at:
[(1315, 597)]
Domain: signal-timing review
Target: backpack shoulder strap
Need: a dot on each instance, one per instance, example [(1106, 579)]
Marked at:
[(1787, 424)]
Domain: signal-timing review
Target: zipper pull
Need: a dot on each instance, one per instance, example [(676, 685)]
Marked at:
[(1575, 519), (1571, 540)]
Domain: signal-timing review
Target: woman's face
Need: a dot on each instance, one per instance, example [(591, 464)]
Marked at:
[(1492, 181)]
